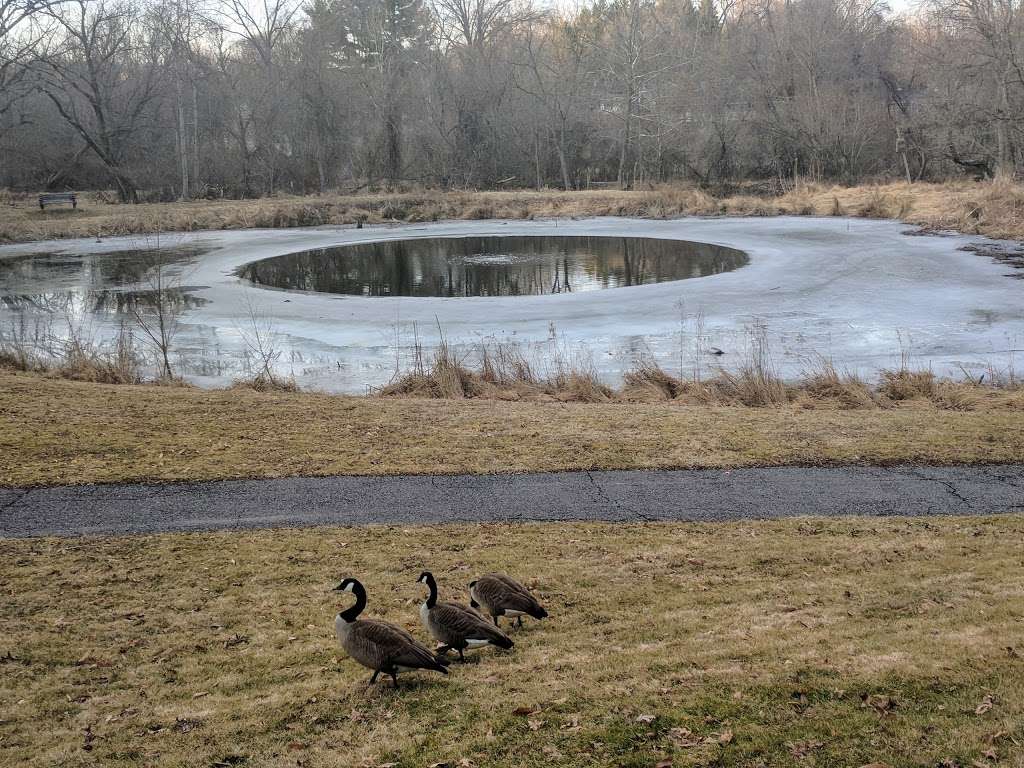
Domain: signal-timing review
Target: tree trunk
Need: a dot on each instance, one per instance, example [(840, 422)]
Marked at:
[(182, 139), (560, 146), (195, 135)]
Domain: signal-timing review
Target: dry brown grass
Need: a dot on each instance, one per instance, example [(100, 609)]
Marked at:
[(508, 371), (55, 432), (836, 642), (993, 208)]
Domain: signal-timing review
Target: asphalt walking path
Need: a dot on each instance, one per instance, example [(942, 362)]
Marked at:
[(683, 495)]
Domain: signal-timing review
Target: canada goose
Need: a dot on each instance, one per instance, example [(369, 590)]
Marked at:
[(502, 596), (457, 626), (378, 645)]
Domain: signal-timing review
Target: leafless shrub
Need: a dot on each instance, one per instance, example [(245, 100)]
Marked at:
[(262, 344), (157, 309)]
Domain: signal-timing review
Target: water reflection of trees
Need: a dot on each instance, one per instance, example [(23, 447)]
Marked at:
[(492, 266), (91, 283), (105, 302), (40, 273)]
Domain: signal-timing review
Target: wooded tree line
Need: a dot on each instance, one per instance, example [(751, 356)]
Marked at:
[(182, 98)]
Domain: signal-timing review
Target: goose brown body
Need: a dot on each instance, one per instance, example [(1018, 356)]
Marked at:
[(501, 595), (457, 627), (378, 645)]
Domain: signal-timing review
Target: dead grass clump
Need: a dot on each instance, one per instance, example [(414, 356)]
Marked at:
[(755, 382), (907, 384), (507, 365), (956, 396), (82, 363), (647, 381), (750, 386), (505, 372), (581, 387), (447, 378), (876, 206), (798, 202), (261, 382), (825, 383), (478, 212), (16, 356)]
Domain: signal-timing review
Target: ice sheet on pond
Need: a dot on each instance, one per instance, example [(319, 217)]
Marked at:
[(859, 292)]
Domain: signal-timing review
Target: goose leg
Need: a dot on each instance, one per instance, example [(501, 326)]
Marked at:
[(394, 679), (373, 678), (495, 620), (461, 657), (519, 621)]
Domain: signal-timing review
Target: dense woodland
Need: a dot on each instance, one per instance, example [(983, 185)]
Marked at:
[(161, 99)]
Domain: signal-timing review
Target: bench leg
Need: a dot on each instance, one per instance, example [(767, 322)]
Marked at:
[(42, 207)]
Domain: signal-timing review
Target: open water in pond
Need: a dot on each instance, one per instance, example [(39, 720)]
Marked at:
[(492, 265)]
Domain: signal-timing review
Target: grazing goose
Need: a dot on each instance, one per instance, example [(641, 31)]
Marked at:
[(378, 645), (501, 596), (457, 626)]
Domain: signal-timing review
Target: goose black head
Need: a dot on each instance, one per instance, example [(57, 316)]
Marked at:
[(348, 585), (428, 578), (353, 586)]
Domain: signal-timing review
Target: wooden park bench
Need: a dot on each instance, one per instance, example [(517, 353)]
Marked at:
[(57, 197)]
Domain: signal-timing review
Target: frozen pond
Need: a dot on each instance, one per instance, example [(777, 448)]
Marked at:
[(857, 291)]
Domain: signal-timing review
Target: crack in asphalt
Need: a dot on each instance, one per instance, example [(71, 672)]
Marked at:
[(21, 494), (949, 485), (991, 472)]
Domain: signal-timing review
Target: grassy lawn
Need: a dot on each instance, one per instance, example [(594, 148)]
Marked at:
[(54, 432), (803, 642)]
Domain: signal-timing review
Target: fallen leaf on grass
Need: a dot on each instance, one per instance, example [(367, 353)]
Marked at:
[(535, 725), (524, 711), (683, 738), (667, 763), (804, 748), (875, 765), (646, 718), (986, 704), (725, 737), (552, 753), (881, 704)]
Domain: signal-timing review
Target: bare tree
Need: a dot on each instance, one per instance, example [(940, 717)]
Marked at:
[(102, 77), (21, 30), (157, 308)]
